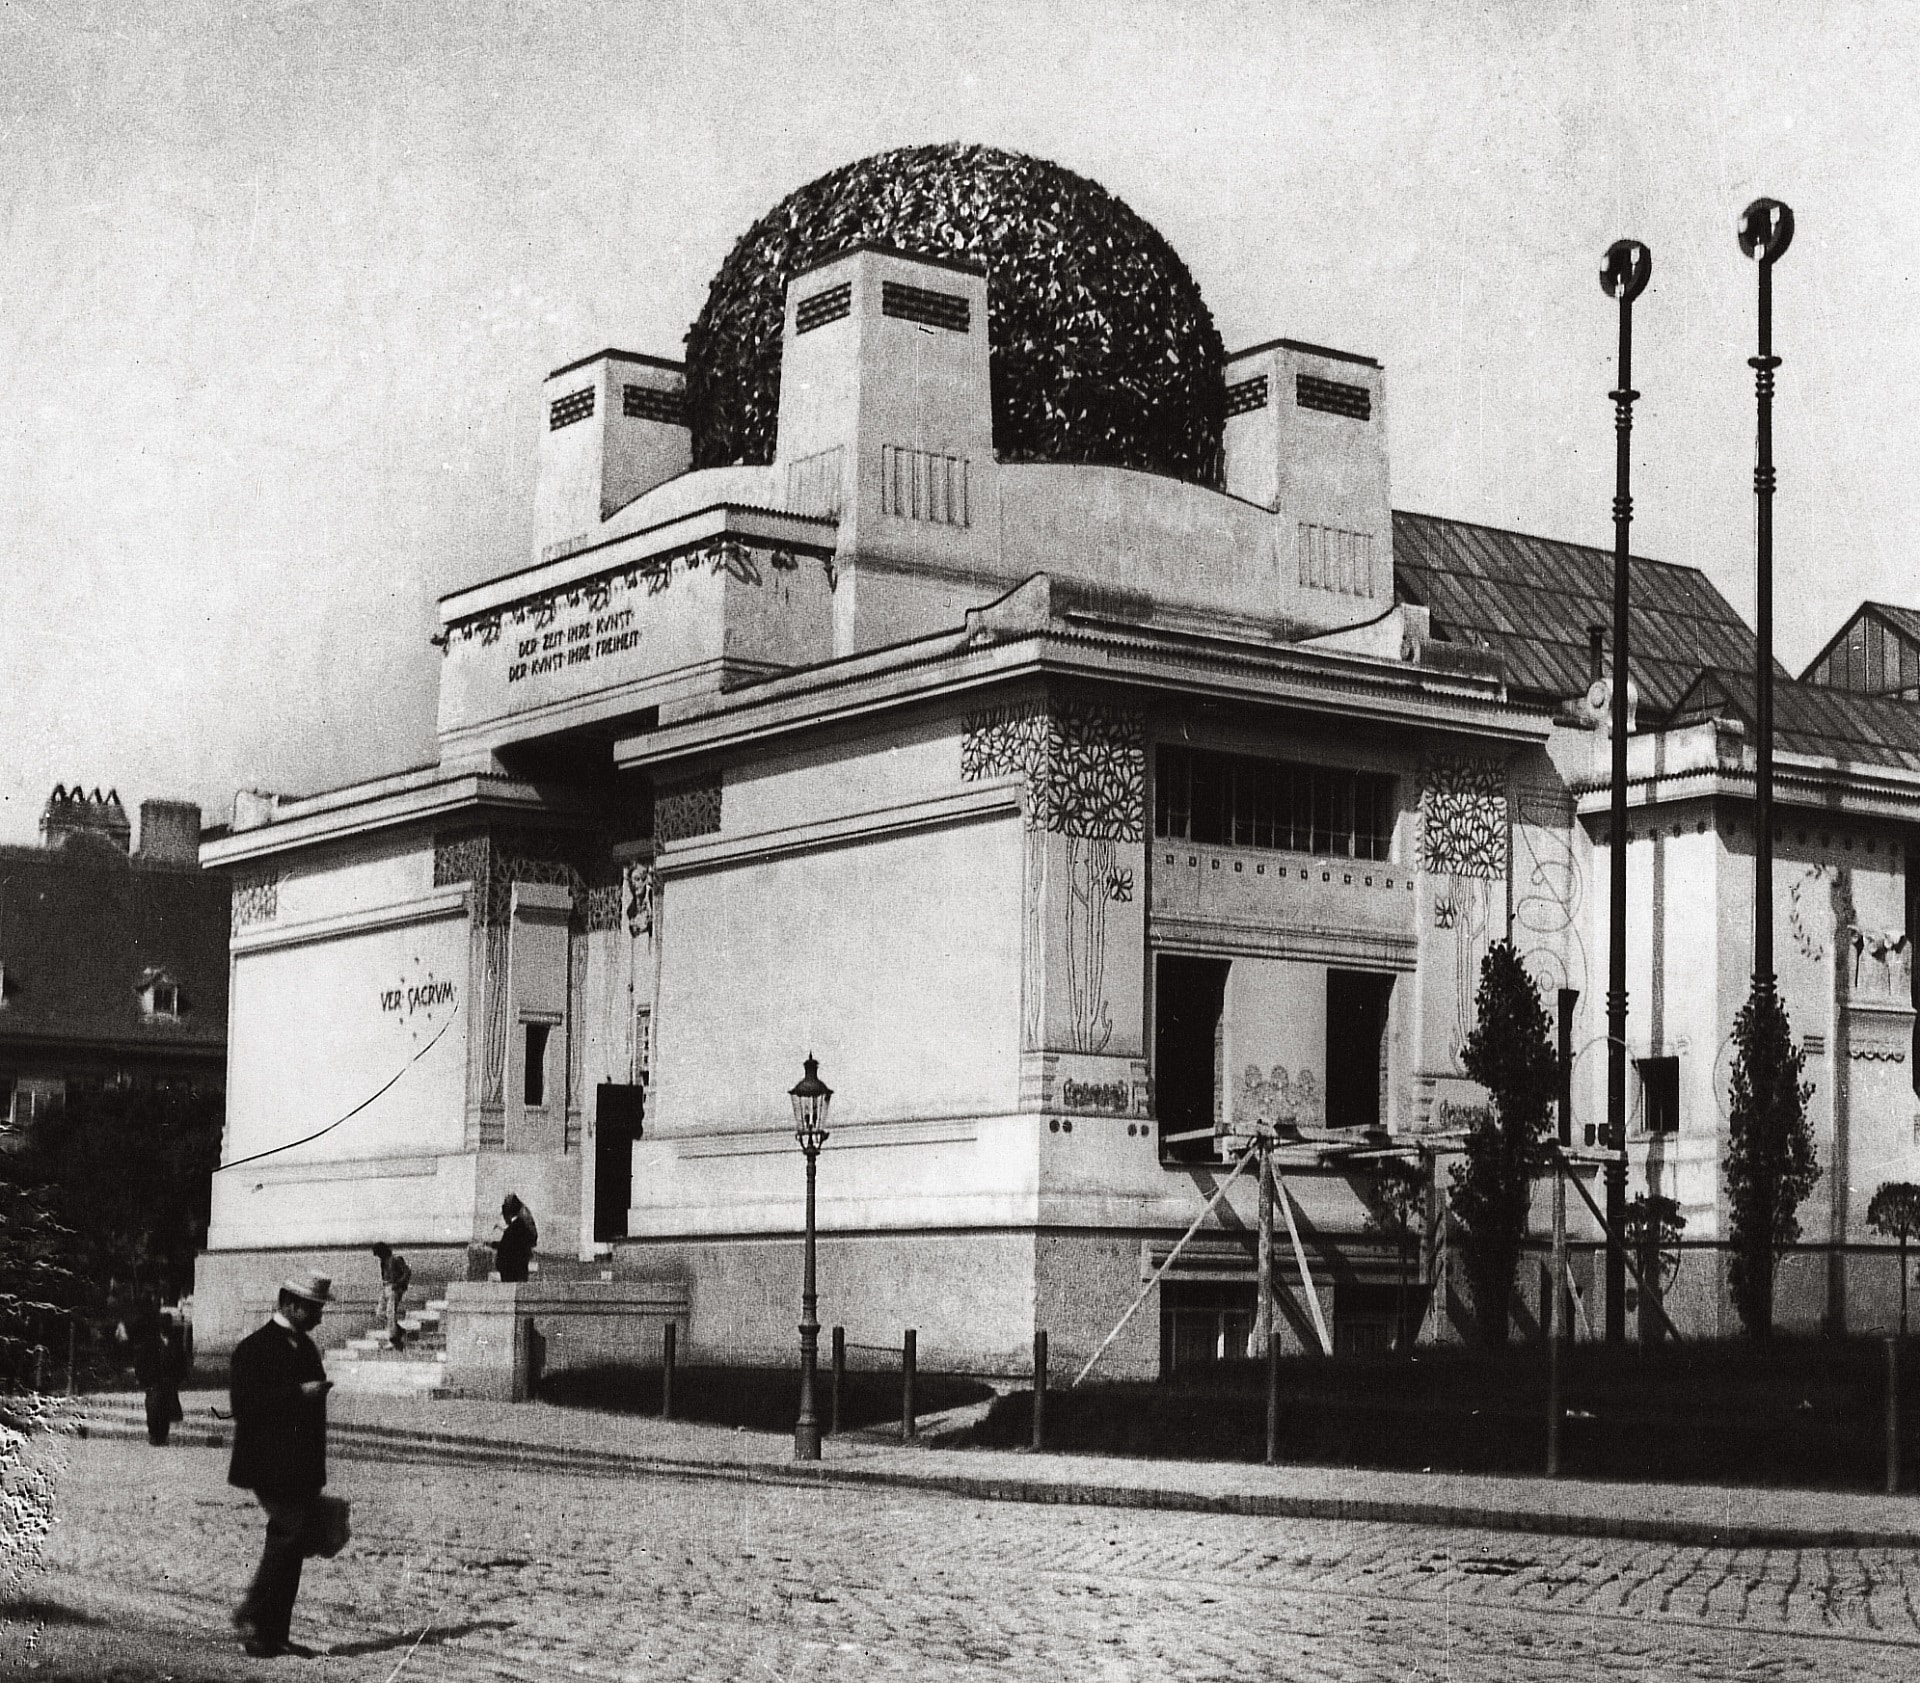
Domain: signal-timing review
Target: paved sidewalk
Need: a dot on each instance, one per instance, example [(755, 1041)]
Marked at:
[(579, 1440)]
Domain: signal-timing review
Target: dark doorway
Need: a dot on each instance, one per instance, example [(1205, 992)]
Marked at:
[(1188, 995), (1356, 1046), (618, 1112)]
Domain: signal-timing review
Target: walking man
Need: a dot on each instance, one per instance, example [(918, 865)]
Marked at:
[(395, 1277), (280, 1451)]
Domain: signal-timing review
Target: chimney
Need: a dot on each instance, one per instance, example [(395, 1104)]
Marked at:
[(73, 812), (612, 425), (170, 832), (1306, 437), (1596, 653)]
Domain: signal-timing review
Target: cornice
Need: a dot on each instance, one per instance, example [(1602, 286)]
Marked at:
[(1799, 781), (811, 534), (366, 808), (1189, 665)]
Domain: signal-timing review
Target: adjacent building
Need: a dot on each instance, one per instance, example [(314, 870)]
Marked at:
[(113, 957), (1075, 813)]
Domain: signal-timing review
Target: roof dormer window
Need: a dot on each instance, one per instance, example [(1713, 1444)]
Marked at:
[(161, 1000)]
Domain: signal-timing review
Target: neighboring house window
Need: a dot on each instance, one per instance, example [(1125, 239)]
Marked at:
[(160, 998), (33, 1098), (1660, 1094)]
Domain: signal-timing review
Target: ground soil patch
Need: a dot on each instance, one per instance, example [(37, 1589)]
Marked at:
[(762, 1399), (1794, 1412)]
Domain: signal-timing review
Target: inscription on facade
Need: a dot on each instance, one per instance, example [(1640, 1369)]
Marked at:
[(576, 643), (418, 996)]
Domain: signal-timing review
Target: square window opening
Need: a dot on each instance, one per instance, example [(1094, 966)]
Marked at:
[(1660, 1094)]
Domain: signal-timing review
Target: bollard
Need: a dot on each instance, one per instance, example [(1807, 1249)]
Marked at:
[(1040, 1389), (1893, 1416), (908, 1356), (839, 1378), (69, 1357), (669, 1349), (39, 1369)]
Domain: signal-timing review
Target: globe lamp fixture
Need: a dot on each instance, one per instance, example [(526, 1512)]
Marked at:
[(1625, 270), (1766, 230)]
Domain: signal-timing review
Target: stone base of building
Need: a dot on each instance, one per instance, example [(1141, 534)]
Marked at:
[(502, 1339), (973, 1297)]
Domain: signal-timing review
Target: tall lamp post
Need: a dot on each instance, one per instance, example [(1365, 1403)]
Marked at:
[(1766, 230), (1623, 275), (810, 1096)]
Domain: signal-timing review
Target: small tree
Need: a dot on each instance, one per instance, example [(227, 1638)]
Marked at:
[(1396, 1199), (1651, 1234), (1510, 1053), (1894, 1213), (1770, 1167)]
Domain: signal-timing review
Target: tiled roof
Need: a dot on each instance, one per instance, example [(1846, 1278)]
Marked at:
[(1813, 718), (1530, 600), (81, 925)]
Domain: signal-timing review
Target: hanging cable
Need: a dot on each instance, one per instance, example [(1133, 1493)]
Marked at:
[(274, 1151)]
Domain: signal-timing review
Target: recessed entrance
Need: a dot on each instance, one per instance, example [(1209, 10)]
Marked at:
[(618, 1110), (1356, 1047), (1188, 995)]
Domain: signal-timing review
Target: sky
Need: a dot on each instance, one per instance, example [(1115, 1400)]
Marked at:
[(279, 283)]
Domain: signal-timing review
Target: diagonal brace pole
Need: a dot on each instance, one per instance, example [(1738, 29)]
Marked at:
[(1300, 1256), (1619, 1245), (1219, 1192)]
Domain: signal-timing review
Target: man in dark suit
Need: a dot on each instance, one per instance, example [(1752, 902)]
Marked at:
[(280, 1451)]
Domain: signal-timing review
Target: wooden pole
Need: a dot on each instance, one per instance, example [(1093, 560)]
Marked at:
[(839, 1380), (1557, 1327), (669, 1339), (1893, 1416), (909, 1361), (1263, 1309), (1040, 1389)]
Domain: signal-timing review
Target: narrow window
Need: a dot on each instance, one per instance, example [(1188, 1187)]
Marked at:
[(1660, 1094), (534, 1095)]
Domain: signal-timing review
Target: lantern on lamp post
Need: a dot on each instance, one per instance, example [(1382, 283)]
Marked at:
[(811, 1097), (1624, 274)]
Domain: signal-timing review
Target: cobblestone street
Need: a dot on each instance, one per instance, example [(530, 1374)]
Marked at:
[(463, 1572)]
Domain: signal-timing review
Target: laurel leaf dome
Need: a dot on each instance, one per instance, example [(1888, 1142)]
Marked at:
[(1102, 349)]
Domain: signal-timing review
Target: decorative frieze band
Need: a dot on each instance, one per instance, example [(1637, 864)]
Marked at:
[(1085, 763), (733, 556), (688, 808), (1463, 817), (256, 899)]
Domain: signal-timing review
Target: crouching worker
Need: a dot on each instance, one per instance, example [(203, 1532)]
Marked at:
[(280, 1452)]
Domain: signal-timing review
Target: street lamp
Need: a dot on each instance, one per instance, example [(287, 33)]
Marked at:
[(1766, 230), (810, 1096), (1624, 273)]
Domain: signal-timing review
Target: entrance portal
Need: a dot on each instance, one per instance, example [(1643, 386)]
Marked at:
[(617, 1116)]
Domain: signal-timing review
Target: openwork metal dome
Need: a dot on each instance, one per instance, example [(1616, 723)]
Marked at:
[(1102, 348)]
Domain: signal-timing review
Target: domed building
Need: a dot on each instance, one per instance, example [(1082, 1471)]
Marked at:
[(962, 671)]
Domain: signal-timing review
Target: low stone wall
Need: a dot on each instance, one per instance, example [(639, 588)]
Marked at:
[(500, 1337)]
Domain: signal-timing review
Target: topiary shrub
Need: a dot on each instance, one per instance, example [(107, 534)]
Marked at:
[(1769, 1166), (1510, 1053), (1102, 348)]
